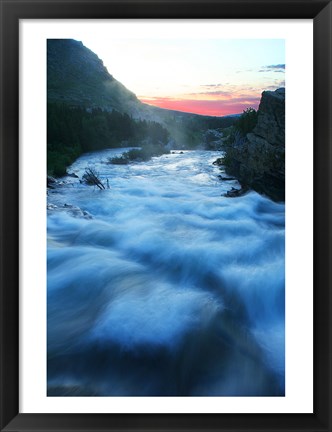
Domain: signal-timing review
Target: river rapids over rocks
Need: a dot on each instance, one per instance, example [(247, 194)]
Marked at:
[(161, 286)]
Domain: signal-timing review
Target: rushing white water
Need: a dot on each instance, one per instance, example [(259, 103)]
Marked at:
[(163, 286)]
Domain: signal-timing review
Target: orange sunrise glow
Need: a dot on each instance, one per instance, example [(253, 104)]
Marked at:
[(204, 107), (215, 77)]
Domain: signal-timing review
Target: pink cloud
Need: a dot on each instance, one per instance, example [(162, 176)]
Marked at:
[(212, 107)]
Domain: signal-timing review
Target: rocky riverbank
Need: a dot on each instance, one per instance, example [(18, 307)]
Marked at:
[(258, 159)]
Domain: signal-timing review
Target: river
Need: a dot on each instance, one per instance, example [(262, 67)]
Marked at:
[(161, 286)]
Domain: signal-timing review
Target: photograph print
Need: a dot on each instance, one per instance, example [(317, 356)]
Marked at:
[(165, 217)]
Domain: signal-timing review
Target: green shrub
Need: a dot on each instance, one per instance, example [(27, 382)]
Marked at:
[(247, 121)]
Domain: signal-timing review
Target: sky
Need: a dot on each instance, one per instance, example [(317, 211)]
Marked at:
[(205, 76)]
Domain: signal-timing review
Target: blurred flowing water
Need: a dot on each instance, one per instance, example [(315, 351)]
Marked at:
[(164, 287)]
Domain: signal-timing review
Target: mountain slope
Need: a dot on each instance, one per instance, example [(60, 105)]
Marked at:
[(88, 109), (76, 76)]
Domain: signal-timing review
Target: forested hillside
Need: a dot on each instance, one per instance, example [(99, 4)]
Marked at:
[(73, 130)]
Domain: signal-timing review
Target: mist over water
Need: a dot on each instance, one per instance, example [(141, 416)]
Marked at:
[(165, 287)]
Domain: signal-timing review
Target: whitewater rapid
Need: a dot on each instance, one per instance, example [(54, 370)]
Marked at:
[(161, 286)]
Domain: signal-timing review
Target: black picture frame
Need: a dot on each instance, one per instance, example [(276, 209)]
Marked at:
[(14, 10)]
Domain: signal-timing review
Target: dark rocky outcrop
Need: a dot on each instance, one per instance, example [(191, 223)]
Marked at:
[(234, 193), (271, 118), (51, 182), (258, 160)]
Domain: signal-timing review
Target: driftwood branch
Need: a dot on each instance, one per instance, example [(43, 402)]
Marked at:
[(91, 177)]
